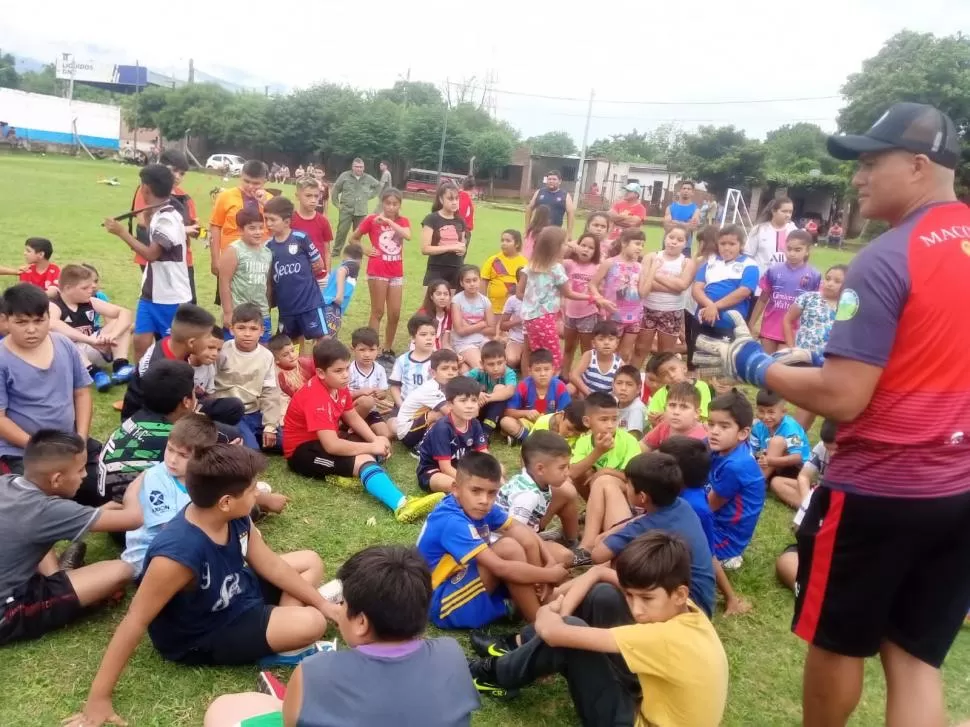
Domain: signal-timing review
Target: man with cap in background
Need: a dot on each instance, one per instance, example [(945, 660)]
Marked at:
[(683, 211), (625, 214), (884, 547)]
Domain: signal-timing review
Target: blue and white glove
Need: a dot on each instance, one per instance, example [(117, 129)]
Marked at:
[(743, 357)]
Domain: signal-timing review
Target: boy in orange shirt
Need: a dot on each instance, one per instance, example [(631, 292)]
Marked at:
[(222, 224)]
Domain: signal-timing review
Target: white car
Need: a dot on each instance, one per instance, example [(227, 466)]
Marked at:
[(227, 163)]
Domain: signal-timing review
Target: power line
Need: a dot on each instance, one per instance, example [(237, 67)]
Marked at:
[(663, 120), (646, 103)]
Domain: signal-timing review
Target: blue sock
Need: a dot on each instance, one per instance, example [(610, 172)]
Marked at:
[(378, 483), (523, 434)]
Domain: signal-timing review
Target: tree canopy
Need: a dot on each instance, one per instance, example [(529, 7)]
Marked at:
[(552, 143)]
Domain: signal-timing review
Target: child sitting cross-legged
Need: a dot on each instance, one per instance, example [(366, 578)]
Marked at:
[(245, 371), (37, 594), (542, 491), (74, 311), (632, 645), (626, 388), (794, 491), (390, 674), (472, 573), (657, 482), (541, 392), (412, 368), (597, 367), (313, 446), (737, 486), (682, 417), (212, 592), (498, 382), (567, 423), (426, 404), (368, 381), (779, 443), (598, 460), (670, 369), (451, 437), (293, 371)]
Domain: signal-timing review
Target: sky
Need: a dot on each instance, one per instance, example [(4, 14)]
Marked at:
[(543, 59)]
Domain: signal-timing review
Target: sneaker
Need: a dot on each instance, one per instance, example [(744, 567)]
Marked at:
[(581, 557), (553, 536), (484, 644), (102, 382), (332, 591), (73, 556), (269, 684), (415, 508), (293, 658), (414, 453), (123, 375), (732, 563), (256, 514), (387, 356), (483, 677)]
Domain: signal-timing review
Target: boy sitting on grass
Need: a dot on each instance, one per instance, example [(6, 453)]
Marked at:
[(657, 478), (245, 371), (389, 675), (598, 460), (670, 369), (36, 594), (633, 647), (37, 270), (539, 393), (779, 442), (451, 437), (567, 423), (426, 404), (682, 417), (43, 385), (542, 491), (737, 486), (498, 382), (293, 371), (795, 491), (368, 381), (632, 411), (694, 459), (413, 368), (74, 312), (313, 446), (472, 576), (211, 585)]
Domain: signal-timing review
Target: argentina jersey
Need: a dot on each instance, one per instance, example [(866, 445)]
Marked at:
[(294, 285), (409, 374)]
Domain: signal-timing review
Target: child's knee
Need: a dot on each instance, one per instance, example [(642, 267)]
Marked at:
[(308, 562), (509, 425), (777, 445), (509, 549), (361, 460), (364, 405), (565, 494)]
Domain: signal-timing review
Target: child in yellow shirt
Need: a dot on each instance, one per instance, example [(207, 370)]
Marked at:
[(500, 269)]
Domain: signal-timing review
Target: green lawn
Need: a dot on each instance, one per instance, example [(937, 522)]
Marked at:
[(59, 198)]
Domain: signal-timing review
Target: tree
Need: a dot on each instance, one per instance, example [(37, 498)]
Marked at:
[(422, 139), (798, 148), (916, 67), (633, 146), (553, 143), (9, 78), (412, 93), (372, 132), (492, 150), (723, 158)]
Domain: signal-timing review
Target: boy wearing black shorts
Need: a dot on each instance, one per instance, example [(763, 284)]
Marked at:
[(36, 594), (451, 437)]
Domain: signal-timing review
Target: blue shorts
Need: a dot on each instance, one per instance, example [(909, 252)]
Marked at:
[(462, 602), (154, 317), (311, 324), (267, 332)]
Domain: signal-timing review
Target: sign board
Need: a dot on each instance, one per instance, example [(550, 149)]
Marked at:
[(67, 66)]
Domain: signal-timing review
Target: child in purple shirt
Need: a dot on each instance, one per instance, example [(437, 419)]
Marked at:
[(781, 284)]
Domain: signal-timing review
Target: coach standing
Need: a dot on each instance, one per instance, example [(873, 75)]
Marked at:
[(884, 549), (558, 200), (351, 192)]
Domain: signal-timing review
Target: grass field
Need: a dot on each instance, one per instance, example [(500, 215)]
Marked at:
[(59, 198)]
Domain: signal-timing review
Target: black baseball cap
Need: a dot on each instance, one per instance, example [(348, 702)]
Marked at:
[(915, 127)]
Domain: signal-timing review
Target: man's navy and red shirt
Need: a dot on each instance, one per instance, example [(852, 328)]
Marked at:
[(906, 309)]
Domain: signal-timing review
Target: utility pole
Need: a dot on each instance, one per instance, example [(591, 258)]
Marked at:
[(69, 57), (441, 149), (582, 153), (191, 71)]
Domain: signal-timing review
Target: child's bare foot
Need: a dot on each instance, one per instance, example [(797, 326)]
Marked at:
[(737, 607)]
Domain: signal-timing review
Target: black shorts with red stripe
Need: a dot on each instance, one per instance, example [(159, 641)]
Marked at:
[(872, 569), (40, 605)]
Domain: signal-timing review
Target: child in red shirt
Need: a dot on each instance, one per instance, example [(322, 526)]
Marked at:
[(385, 266), (310, 222), (312, 444), (38, 270)]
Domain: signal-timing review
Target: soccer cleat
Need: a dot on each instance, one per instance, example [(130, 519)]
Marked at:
[(581, 557), (483, 677), (73, 556), (269, 684), (293, 658), (102, 382), (415, 508), (347, 483), (484, 644), (732, 563), (123, 375)]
